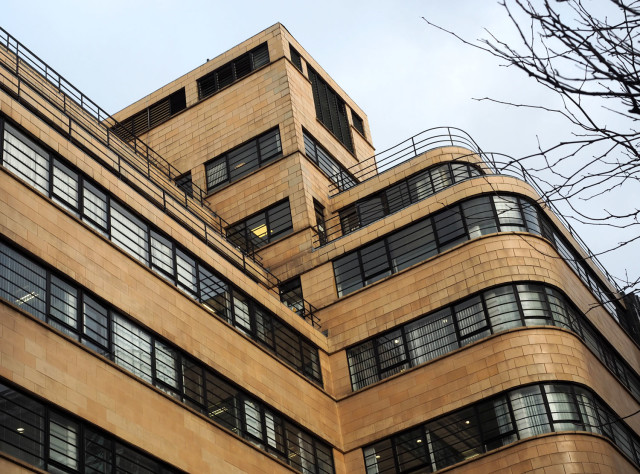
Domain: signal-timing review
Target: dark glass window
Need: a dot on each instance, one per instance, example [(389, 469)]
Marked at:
[(321, 225), (337, 173), (151, 116), (331, 110), (358, 124), (43, 436), (185, 183), (244, 159), (296, 59), (263, 228), (232, 71), (291, 295)]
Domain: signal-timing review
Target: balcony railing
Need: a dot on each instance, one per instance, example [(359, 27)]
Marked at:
[(38, 87)]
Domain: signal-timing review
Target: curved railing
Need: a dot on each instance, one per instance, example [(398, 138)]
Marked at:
[(406, 150)]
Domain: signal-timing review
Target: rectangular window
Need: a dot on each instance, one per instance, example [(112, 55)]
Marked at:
[(65, 189), (95, 207), (411, 245), (336, 173), (358, 124), (26, 159), (149, 117), (63, 441), (129, 233), (296, 59), (131, 348), (331, 110), (291, 295), (321, 226), (232, 71), (263, 228), (185, 183), (22, 282), (243, 159)]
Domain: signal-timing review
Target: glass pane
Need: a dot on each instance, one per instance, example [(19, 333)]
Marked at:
[(257, 231), (214, 293), (217, 173), (193, 381), (223, 402), (186, 272), (375, 262), (449, 228), (287, 345), (441, 177), (362, 365), (25, 158), (371, 210), (479, 217), (133, 462), (411, 450), (22, 426), (509, 214), (391, 354), (431, 337), (455, 437), (279, 220), (97, 450), (472, 321), (95, 326), (379, 458), (131, 347), (564, 410), (529, 411), (166, 364), (398, 197), (94, 207), (502, 308), (162, 255), (65, 185), (22, 282), (241, 316), (420, 186), (253, 419), (411, 245), (460, 171), (347, 272), (63, 441), (496, 424), (243, 159), (129, 233), (270, 146), (63, 304), (533, 302)]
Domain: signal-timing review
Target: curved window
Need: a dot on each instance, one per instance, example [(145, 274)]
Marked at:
[(404, 193), (474, 318), (442, 230), (498, 421)]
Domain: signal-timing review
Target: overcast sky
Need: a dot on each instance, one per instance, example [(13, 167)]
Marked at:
[(404, 74)]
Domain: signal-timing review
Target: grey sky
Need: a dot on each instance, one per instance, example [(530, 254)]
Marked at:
[(405, 75)]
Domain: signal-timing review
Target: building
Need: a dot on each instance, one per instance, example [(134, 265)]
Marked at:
[(220, 278)]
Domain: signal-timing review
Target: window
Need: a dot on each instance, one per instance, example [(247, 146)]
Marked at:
[(25, 158), (185, 183), (474, 318), (129, 233), (244, 159), (261, 229), (321, 226), (291, 295), (358, 124), (331, 110), (499, 421), (296, 59), (338, 175), (151, 116), (232, 71), (404, 193), (41, 435)]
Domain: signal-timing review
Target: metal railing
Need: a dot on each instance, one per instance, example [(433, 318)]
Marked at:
[(38, 87), (440, 137), (404, 151)]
